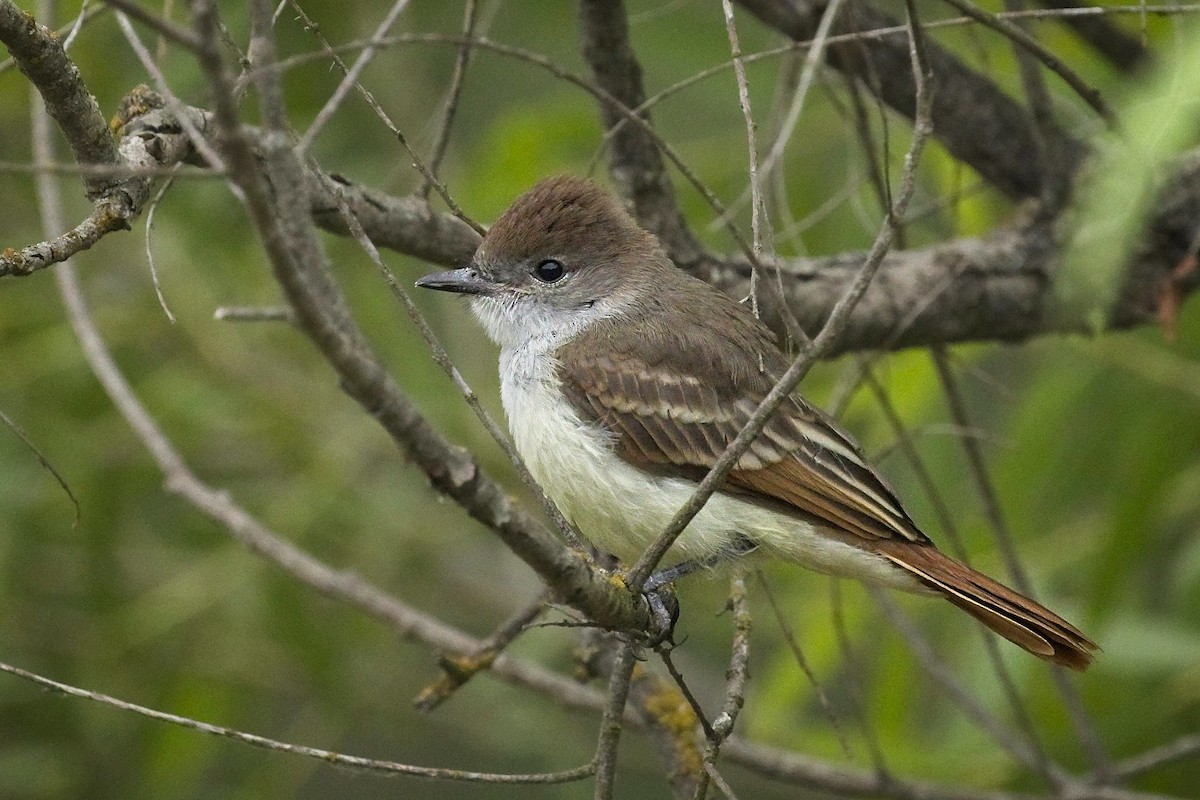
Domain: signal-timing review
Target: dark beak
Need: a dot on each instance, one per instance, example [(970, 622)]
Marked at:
[(467, 280)]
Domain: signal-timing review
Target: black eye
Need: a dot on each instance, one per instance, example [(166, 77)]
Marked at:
[(548, 271)]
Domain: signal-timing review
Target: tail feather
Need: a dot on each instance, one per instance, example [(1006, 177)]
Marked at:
[(1022, 621)]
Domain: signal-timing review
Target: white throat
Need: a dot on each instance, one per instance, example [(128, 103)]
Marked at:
[(519, 322)]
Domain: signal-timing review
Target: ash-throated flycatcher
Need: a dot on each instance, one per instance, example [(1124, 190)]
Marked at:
[(624, 378)]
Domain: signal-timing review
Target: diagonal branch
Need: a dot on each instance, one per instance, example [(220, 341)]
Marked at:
[(1122, 49), (977, 122), (357, 763)]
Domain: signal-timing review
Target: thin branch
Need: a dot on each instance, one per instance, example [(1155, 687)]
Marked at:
[(1031, 745), (1085, 729), (815, 52), (110, 170), (735, 681), (654, 706), (610, 727), (1118, 47), (758, 211), (417, 163), (722, 785), (356, 763), (44, 461), (350, 79), (972, 117), (255, 314), (812, 773), (160, 25), (1014, 32), (854, 669), (186, 119), (1027, 752), (1187, 746), (664, 652), (457, 78), (151, 208), (757, 205), (458, 669), (789, 637)]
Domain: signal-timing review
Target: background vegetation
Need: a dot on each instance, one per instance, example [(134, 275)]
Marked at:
[(1093, 446)]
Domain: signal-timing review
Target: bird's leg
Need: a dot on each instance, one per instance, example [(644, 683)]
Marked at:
[(659, 596)]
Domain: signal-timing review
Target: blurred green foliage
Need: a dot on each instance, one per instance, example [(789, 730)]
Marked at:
[(1094, 447)]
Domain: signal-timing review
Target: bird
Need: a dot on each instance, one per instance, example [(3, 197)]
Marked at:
[(623, 379)]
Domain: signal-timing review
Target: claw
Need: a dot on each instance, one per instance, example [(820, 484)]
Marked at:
[(659, 598)]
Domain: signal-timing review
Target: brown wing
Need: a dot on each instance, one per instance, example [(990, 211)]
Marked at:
[(674, 412)]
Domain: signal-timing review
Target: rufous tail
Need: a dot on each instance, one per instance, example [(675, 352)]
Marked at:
[(1022, 621)]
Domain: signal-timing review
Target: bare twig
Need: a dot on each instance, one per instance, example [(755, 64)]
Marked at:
[(656, 707), (972, 117), (812, 773), (789, 637), (160, 25), (1072, 701), (1031, 744), (44, 461), (815, 52), (701, 718), (611, 726), (854, 669), (151, 208), (255, 314), (350, 79), (757, 206), (1089, 93), (185, 118), (1025, 751), (460, 668), (356, 763), (635, 164), (1187, 746), (1120, 48), (457, 78), (735, 681)]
